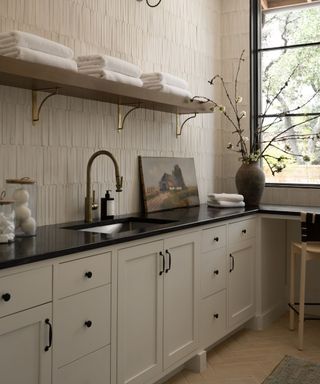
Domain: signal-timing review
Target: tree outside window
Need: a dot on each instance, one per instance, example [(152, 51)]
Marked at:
[(289, 58)]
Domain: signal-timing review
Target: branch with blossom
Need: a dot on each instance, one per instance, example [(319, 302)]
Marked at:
[(259, 148)]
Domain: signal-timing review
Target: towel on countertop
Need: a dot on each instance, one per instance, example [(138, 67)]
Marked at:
[(162, 78), (40, 58), (114, 76), (234, 197), (108, 63), (226, 204), (170, 89), (17, 39)]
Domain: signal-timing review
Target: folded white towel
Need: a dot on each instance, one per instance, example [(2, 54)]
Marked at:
[(40, 58), (28, 40), (225, 196), (170, 89), (164, 78), (226, 204), (109, 63), (114, 76)]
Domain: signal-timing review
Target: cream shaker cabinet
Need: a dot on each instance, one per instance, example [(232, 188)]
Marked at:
[(25, 332), (241, 272), (82, 320), (157, 306)]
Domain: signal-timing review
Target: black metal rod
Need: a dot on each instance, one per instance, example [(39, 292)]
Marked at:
[(293, 46), (291, 114)]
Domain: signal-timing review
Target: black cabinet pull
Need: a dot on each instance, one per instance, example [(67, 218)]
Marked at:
[(216, 272), (169, 267), (47, 347), (88, 323), (163, 263), (232, 263), (244, 231), (88, 274), (6, 297), (216, 316), (216, 239)]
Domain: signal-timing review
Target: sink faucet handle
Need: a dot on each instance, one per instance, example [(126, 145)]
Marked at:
[(94, 205), (119, 182)]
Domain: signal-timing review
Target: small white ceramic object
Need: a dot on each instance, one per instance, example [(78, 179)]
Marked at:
[(22, 212), (29, 226), (21, 196)]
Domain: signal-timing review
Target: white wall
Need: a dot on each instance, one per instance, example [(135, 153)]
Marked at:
[(180, 36)]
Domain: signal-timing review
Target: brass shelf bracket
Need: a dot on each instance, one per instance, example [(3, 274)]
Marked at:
[(35, 108), (180, 127), (121, 119)]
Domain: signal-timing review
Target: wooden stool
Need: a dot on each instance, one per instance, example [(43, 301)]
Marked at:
[(307, 249)]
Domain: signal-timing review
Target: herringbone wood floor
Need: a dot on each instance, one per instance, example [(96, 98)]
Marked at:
[(249, 356)]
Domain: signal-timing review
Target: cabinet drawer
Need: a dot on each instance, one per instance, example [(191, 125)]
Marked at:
[(25, 290), (82, 274), (242, 230), (213, 271), (213, 238), (212, 319), (91, 369), (82, 324)]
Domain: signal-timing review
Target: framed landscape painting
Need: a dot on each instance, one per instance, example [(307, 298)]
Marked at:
[(168, 182)]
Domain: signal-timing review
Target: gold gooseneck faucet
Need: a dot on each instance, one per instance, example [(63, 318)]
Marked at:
[(88, 199)]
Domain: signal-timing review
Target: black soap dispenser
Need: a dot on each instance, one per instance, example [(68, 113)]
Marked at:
[(107, 206)]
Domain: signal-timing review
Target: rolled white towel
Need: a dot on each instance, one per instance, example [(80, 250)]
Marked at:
[(28, 40), (109, 63), (114, 76), (226, 204), (170, 89), (225, 197), (40, 58), (164, 78)]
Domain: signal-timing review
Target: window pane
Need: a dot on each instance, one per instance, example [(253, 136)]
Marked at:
[(288, 27), (291, 149), (296, 72)]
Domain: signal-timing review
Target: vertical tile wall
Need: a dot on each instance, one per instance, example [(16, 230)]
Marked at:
[(181, 37)]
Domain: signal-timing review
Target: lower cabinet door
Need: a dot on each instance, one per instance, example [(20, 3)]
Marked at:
[(91, 369), (24, 358), (241, 297), (213, 319), (140, 309), (180, 297)]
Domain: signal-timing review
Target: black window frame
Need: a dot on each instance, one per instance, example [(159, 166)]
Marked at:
[(255, 94)]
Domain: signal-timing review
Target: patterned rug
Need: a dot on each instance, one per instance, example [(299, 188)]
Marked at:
[(292, 370)]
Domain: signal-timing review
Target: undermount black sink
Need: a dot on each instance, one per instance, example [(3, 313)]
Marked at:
[(121, 225)]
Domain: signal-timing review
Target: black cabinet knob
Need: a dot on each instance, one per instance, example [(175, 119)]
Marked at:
[(216, 239), (88, 274), (216, 315), (244, 231), (216, 272), (6, 297), (88, 323)]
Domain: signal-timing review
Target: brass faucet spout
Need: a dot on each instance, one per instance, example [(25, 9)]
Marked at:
[(119, 181)]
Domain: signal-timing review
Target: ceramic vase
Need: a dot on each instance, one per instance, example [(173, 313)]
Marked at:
[(250, 181)]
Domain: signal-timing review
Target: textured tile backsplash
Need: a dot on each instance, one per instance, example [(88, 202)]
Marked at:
[(181, 37)]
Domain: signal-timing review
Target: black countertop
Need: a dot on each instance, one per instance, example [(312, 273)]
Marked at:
[(56, 240)]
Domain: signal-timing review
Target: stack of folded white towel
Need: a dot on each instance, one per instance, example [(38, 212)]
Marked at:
[(225, 200), (110, 68), (36, 49), (165, 82)]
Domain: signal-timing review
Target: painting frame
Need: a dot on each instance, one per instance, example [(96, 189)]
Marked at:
[(168, 183)]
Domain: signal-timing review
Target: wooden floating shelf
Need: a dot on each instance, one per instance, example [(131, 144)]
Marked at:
[(33, 76)]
